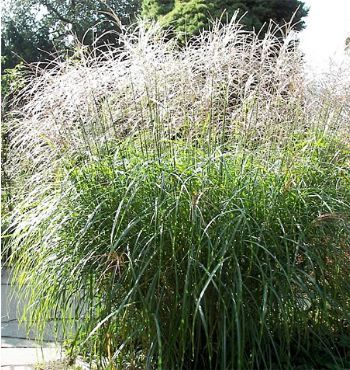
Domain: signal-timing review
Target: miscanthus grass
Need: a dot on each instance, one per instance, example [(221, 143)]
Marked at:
[(186, 208)]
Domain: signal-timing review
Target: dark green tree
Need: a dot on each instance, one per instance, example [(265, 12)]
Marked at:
[(22, 36), (31, 29), (190, 16)]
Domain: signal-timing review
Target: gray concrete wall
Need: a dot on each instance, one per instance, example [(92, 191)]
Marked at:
[(19, 348)]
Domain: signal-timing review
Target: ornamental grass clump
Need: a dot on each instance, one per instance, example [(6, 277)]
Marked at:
[(186, 208)]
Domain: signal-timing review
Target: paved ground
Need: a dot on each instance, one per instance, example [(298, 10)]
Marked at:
[(19, 349)]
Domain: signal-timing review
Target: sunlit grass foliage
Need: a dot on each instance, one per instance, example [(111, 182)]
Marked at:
[(188, 207)]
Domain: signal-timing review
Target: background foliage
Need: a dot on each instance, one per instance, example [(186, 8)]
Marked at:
[(32, 29), (190, 16)]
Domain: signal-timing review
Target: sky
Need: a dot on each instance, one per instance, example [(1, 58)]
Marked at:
[(327, 27)]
